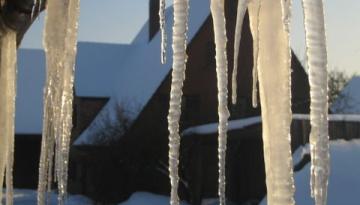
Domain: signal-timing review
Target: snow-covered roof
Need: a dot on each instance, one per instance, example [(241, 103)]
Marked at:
[(344, 181), (95, 70), (145, 71), (246, 122), (349, 100)]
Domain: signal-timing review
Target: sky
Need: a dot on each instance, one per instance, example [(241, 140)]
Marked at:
[(118, 21)]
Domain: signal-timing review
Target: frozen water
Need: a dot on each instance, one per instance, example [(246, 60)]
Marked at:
[(254, 14), (218, 14), (7, 111), (163, 31), (274, 57), (317, 63), (181, 12), (60, 38), (241, 9)]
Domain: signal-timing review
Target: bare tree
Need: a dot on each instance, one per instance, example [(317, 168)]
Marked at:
[(337, 81)]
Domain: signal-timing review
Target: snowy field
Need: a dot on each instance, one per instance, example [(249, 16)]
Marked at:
[(344, 182)]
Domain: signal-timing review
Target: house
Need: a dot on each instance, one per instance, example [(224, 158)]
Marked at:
[(136, 159), (93, 65)]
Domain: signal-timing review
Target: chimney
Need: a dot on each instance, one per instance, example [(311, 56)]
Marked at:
[(154, 24)]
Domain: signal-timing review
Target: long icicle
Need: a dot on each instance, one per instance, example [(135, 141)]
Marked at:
[(181, 12), (317, 63), (60, 38), (275, 97), (7, 112), (219, 23), (241, 10), (254, 15), (163, 31)]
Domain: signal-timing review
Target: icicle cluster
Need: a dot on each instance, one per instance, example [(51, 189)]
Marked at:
[(274, 61), (7, 111), (241, 10), (317, 64), (218, 14), (60, 38), (163, 31), (181, 12)]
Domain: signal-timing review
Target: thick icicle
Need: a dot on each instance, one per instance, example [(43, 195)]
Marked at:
[(317, 63), (163, 31), (241, 10), (60, 37), (274, 83), (254, 14), (7, 111), (181, 12), (218, 15)]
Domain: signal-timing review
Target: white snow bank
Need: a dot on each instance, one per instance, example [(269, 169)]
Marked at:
[(146, 198), (349, 100), (246, 122), (29, 197), (344, 182)]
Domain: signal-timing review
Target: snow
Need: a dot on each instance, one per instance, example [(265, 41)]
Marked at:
[(344, 181), (350, 103), (94, 77), (146, 198), (246, 122), (143, 65), (213, 127), (28, 197)]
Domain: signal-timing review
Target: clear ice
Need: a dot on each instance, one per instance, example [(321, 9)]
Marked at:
[(163, 31), (254, 12), (241, 10), (317, 63), (180, 27), (7, 111), (60, 40), (218, 15), (275, 97)]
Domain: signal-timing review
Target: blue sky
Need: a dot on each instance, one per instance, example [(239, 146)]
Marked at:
[(117, 21)]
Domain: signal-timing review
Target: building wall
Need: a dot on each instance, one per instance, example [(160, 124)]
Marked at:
[(85, 111)]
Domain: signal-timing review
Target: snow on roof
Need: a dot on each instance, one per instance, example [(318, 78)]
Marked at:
[(246, 122), (344, 182), (349, 100), (96, 66), (145, 71)]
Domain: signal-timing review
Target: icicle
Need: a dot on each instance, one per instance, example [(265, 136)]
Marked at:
[(33, 9), (181, 12), (60, 36), (241, 10), (274, 83), (317, 63), (254, 14), (163, 31), (7, 111), (217, 12)]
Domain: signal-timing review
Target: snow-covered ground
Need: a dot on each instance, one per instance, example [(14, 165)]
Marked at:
[(344, 182), (28, 197)]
